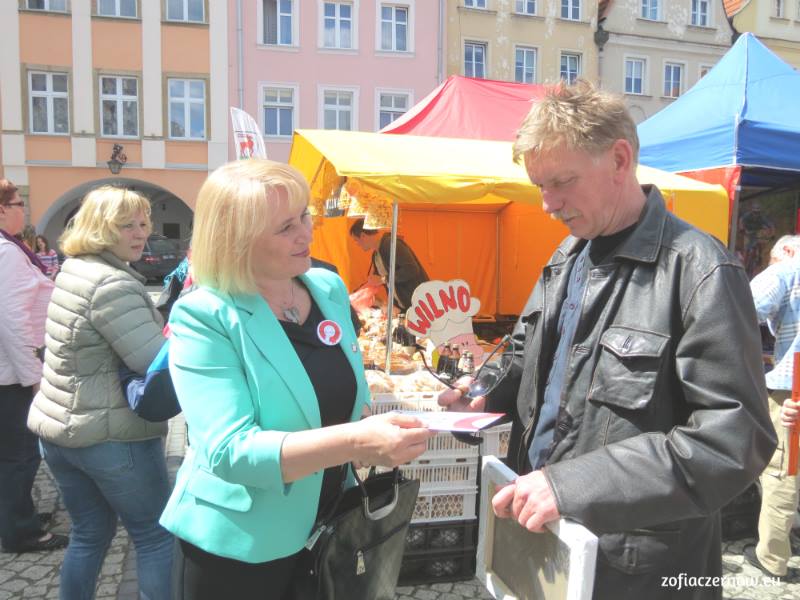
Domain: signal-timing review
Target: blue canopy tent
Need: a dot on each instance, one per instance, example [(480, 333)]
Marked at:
[(742, 114)]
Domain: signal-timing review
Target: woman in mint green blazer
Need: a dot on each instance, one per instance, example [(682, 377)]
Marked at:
[(268, 372)]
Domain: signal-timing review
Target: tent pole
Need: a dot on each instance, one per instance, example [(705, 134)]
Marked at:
[(390, 299), (497, 263), (734, 219)]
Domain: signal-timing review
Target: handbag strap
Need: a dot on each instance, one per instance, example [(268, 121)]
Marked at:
[(375, 515), (382, 512)]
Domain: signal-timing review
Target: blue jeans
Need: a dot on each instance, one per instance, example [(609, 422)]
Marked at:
[(19, 461), (99, 483)]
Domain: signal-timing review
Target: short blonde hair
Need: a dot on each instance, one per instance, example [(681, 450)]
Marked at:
[(233, 208), (95, 227), (579, 117)]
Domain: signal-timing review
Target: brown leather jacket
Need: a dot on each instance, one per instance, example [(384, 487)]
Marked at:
[(663, 416)]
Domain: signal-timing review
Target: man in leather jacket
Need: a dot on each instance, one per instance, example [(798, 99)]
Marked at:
[(637, 389)]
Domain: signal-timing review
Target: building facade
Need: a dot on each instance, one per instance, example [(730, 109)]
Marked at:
[(775, 22), (527, 41), (317, 64), (79, 77), (655, 50)]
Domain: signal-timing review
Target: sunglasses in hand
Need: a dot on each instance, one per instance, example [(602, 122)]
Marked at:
[(484, 381)]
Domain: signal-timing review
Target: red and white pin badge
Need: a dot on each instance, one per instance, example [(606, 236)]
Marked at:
[(329, 332)]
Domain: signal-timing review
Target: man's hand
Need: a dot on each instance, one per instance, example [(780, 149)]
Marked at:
[(529, 500), (454, 399), (375, 280), (790, 413)]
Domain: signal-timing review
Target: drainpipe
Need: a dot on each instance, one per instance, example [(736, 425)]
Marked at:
[(240, 53), (440, 68)]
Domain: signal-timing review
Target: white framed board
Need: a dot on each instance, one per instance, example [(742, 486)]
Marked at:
[(516, 564)]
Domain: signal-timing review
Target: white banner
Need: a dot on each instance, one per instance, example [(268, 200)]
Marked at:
[(247, 138)]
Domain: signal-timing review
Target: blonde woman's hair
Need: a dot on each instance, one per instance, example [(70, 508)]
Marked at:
[(578, 117), (96, 225), (234, 207)]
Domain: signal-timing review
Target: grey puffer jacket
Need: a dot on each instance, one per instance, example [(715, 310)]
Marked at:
[(100, 316)]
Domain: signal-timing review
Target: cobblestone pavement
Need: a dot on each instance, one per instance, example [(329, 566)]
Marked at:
[(35, 575)]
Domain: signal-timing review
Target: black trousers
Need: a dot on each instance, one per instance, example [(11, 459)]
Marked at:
[(19, 462), (200, 575)]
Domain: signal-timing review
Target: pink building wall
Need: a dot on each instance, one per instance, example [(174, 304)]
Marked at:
[(308, 66)]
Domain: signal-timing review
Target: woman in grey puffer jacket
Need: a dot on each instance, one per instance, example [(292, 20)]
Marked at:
[(106, 460)]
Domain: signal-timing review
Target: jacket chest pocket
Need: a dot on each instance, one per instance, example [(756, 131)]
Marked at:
[(625, 379)]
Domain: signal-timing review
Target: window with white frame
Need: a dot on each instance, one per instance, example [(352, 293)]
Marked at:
[(119, 106), (394, 28), (673, 78), (475, 59), (116, 8), (187, 109), (525, 65), (525, 7), (53, 5), (570, 66), (278, 17), (278, 111), (189, 11), (337, 25), (571, 9), (475, 3), (49, 103), (700, 13), (337, 109), (780, 7), (634, 75), (650, 9), (391, 105), (704, 69)]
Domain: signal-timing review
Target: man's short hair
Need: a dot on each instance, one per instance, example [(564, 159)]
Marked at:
[(778, 251), (580, 117), (357, 228)]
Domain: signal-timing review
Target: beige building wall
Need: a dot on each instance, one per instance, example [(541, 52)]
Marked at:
[(57, 167), (649, 52), (502, 30), (779, 32)]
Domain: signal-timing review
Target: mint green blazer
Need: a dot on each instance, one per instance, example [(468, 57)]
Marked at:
[(243, 389)]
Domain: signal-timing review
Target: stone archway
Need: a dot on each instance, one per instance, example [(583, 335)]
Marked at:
[(171, 216)]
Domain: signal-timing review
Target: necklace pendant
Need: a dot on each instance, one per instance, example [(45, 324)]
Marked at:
[(292, 314)]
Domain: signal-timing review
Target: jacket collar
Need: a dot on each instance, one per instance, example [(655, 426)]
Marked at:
[(267, 334), (642, 245), (111, 259)]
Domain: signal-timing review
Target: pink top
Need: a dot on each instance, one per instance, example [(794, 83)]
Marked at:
[(24, 295)]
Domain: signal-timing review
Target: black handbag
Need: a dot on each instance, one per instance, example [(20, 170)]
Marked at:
[(355, 552)]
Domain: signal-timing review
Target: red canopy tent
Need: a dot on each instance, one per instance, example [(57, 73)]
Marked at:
[(462, 107)]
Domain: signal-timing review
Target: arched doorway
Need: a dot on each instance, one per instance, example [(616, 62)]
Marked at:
[(171, 216)]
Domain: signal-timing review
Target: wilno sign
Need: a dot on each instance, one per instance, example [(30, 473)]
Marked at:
[(442, 311)]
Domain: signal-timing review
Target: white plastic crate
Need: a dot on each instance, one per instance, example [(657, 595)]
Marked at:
[(447, 505), (495, 441), (442, 473), (426, 401), (444, 445)]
